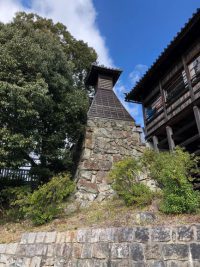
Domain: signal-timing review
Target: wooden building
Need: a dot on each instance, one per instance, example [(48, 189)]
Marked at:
[(170, 92)]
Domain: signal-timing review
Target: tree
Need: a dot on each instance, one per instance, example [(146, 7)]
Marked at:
[(43, 99)]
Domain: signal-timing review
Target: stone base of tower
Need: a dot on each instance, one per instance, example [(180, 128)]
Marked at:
[(106, 141)]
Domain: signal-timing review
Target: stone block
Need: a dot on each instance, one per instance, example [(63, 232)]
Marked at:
[(101, 250), (83, 235), (21, 249), (152, 251), (63, 250), (22, 262), (40, 236), (175, 251), (125, 234), (50, 237), (198, 232), (137, 264), (161, 234), (46, 262), (103, 187), (100, 263), (185, 233), (195, 251), (35, 262), (120, 263), (85, 174), (60, 237), (77, 250), (3, 248), (195, 264), (86, 252), (30, 250), (86, 154), (41, 249), (95, 235), (85, 263), (156, 263), (100, 176), (4, 258), (31, 238), (70, 236), (119, 250), (89, 144), (51, 250), (11, 248), (136, 252), (142, 234), (108, 235), (24, 238), (87, 186), (178, 264)]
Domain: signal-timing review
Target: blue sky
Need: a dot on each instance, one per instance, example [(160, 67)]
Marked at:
[(137, 31), (128, 34)]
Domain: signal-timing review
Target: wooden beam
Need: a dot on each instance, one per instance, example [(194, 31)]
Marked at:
[(190, 140), (197, 117), (169, 138), (155, 143)]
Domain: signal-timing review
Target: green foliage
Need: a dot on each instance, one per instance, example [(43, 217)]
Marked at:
[(10, 202), (41, 205), (126, 183), (45, 203), (43, 99), (173, 173)]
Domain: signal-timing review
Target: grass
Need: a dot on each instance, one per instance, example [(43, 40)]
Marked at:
[(112, 213)]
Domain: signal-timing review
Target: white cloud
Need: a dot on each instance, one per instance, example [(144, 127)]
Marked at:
[(8, 8), (137, 73), (78, 15), (121, 88), (120, 91)]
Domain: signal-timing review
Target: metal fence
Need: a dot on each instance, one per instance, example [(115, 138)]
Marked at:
[(17, 175)]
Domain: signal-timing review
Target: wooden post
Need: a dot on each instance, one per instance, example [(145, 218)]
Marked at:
[(163, 98), (197, 117), (188, 78), (144, 118), (169, 138), (155, 143)]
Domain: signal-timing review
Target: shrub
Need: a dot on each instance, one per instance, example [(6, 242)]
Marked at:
[(125, 176), (173, 172), (39, 206), (10, 202), (44, 204)]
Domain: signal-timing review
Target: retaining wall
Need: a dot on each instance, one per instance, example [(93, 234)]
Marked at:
[(139, 246)]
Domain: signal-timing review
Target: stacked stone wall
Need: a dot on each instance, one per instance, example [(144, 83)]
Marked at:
[(159, 246), (106, 141)]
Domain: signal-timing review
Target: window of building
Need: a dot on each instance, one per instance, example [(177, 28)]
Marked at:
[(194, 69), (154, 108), (175, 87)]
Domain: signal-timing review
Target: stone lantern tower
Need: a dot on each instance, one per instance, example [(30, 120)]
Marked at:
[(111, 134)]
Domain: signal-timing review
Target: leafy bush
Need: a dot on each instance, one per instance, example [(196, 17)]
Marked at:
[(126, 183), (43, 204), (173, 172), (9, 199)]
